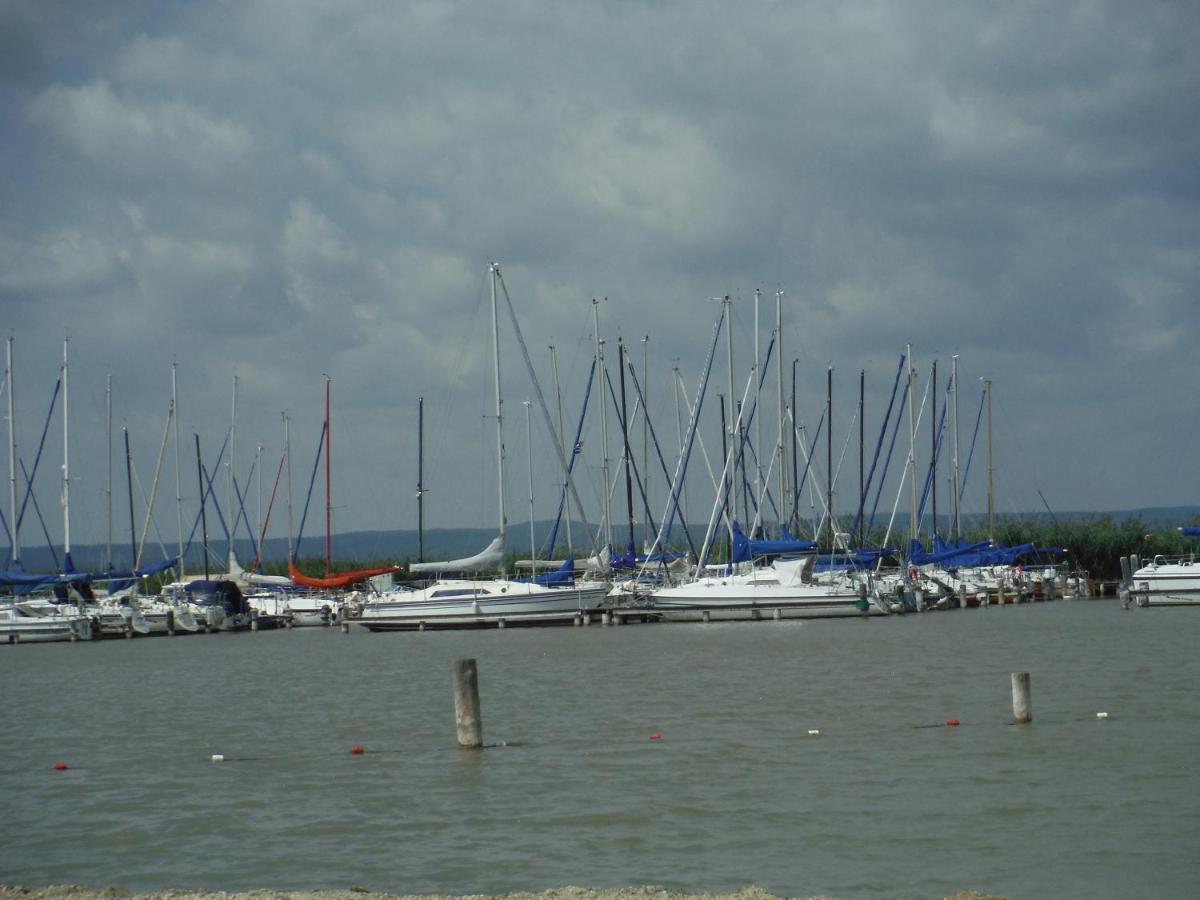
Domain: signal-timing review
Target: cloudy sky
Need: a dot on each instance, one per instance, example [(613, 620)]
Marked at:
[(287, 190)]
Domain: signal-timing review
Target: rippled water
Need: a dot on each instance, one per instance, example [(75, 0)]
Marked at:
[(735, 792)]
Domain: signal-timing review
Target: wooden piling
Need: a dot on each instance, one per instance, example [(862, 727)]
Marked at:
[(466, 704), (1021, 699)]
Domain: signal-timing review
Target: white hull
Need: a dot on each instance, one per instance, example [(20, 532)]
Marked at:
[(784, 589), (22, 624), (477, 604), (1167, 584)]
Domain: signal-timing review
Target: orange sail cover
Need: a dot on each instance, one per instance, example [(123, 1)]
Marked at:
[(337, 580)]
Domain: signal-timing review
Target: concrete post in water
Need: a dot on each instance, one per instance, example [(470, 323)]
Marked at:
[(345, 626), (1022, 702), (466, 704)]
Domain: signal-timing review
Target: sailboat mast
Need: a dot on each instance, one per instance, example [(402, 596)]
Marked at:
[(420, 479), (495, 271), (987, 383), (779, 446), (203, 513), (529, 454), (727, 432), (233, 515), (647, 534), (757, 408), (287, 452), (129, 481), (933, 432), (625, 442), (954, 385), (862, 434), (12, 463), (603, 401), (328, 494), (829, 454), (562, 436), (912, 447), (178, 485), (108, 475), (66, 470)]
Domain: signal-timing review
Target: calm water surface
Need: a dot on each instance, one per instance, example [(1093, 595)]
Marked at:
[(735, 792)]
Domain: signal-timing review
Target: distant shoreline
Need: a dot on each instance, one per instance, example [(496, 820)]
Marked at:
[(83, 892)]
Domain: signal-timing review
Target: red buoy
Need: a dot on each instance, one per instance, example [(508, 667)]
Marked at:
[(953, 723), (656, 736), (357, 751), (60, 767)]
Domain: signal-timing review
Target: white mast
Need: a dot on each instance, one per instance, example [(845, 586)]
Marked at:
[(66, 471), (729, 483), (780, 452), (912, 446), (603, 400), (12, 463), (757, 410), (287, 455), (233, 517), (108, 477), (529, 451), (495, 271), (178, 490), (954, 382), (647, 535)]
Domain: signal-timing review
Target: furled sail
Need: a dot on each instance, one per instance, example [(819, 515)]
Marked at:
[(487, 560)]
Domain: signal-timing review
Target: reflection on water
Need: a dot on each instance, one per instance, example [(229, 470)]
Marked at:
[(734, 792)]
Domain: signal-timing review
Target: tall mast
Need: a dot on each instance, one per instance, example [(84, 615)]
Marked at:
[(495, 270), (420, 479), (108, 475), (679, 435), (603, 401), (133, 561), (12, 464), (233, 508), (862, 484), (987, 383), (645, 435), (829, 454), (794, 516), (779, 446), (954, 385), (203, 514), (933, 432), (66, 471), (562, 437), (912, 447), (727, 430), (328, 494), (625, 442), (529, 453), (287, 455), (757, 407), (178, 487)]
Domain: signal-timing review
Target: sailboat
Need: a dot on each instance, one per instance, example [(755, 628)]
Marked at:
[(460, 602), (331, 579)]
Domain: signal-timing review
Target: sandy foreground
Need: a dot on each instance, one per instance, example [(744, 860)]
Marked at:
[(82, 892)]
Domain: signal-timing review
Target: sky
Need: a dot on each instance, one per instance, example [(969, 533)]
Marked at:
[(284, 192)]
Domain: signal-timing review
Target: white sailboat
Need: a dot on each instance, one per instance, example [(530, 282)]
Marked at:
[(478, 603)]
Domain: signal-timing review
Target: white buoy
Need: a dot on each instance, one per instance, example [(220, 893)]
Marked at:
[(813, 732), (1101, 715), (218, 757)]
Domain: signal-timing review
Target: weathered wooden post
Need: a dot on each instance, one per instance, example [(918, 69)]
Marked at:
[(1022, 703), (466, 704)]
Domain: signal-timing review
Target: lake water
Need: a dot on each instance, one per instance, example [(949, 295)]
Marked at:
[(886, 801)]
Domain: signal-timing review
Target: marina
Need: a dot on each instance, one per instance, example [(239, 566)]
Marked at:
[(803, 757)]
